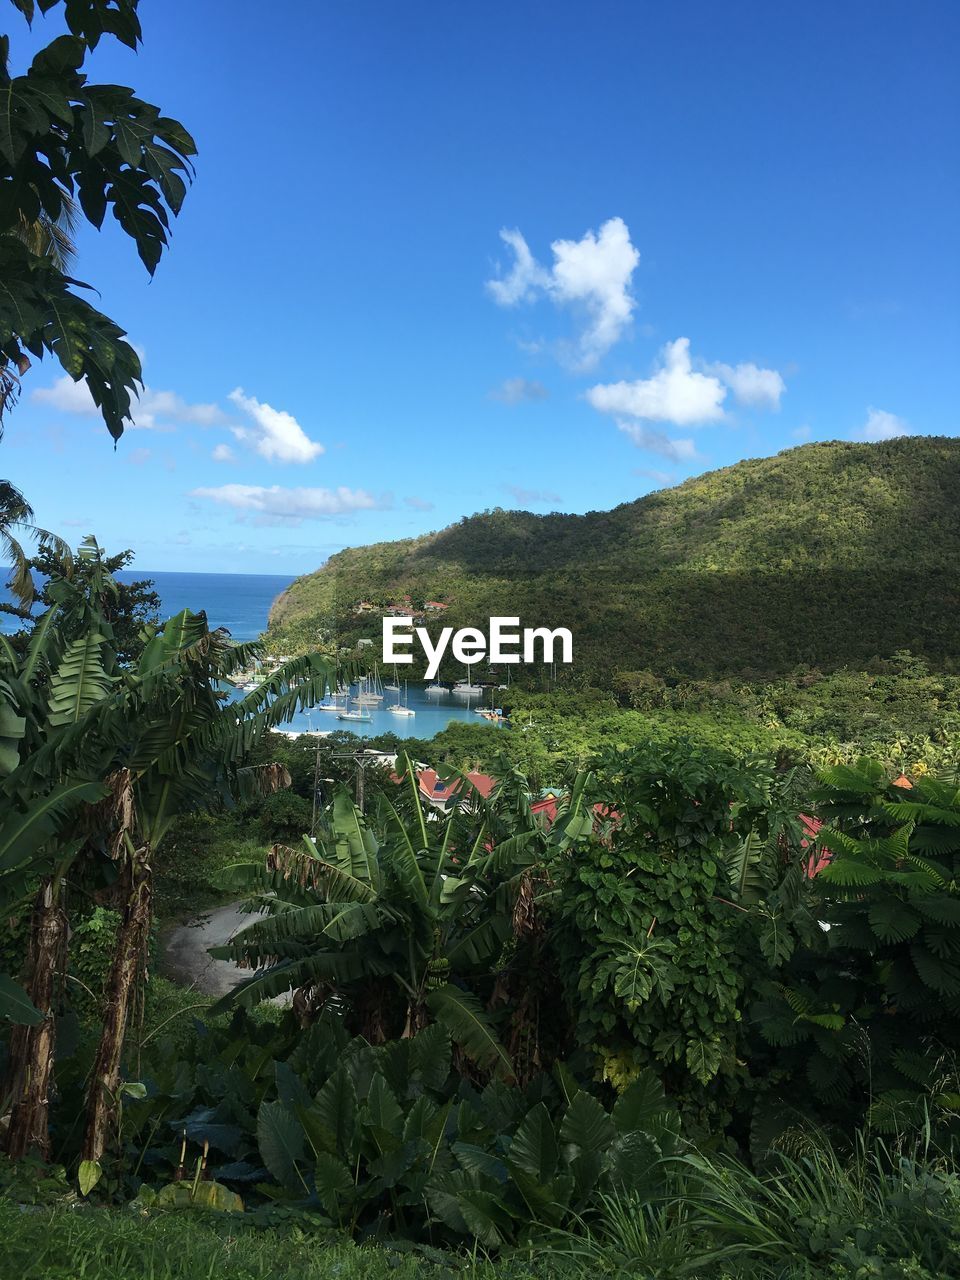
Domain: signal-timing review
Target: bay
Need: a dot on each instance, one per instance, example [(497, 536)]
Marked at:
[(241, 603)]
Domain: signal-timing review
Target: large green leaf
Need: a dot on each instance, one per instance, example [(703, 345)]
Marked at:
[(22, 834), (12, 731), (382, 1115), (466, 1020), (355, 844), (473, 1205), (16, 1006), (333, 1182), (331, 1122), (703, 1057), (634, 1163), (338, 921), (586, 1128), (480, 944), (534, 1146), (80, 680), (640, 1103), (430, 1056), (281, 1142)]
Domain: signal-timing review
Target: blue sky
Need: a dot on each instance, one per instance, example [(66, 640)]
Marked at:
[(440, 258)]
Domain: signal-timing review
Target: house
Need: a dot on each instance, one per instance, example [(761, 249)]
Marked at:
[(441, 793), (435, 606), (364, 644), (546, 809)]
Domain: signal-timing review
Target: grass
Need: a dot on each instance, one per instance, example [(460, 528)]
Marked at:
[(191, 860), (81, 1243), (886, 1211)]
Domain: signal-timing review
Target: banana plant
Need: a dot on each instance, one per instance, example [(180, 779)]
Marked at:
[(110, 755), (400, 919)]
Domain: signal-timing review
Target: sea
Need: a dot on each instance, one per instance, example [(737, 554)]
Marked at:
[(241, 602)]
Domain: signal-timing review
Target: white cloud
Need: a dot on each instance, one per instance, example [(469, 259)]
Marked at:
[(275, 434), (658, 442), (652, 473), (752, 386), (292, 504), (223, 453), (156, 407), (536, 496), (675, 393), (593, 273), (419, 504), (151, 410), (525, 278), (67, 396), (881, 425), (517, 390)]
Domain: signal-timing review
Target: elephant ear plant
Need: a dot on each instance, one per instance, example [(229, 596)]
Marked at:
[(109, 755), (394, 1134)]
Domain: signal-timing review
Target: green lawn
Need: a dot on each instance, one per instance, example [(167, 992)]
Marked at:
[(82, 1243)]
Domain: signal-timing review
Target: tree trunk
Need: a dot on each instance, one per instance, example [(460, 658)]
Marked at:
[(30, 1071), (121, 987)]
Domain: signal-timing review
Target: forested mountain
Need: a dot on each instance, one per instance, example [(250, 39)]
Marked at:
[(827, 555)]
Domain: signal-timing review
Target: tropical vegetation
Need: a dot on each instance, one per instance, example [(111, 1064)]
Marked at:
[(747, 572), (673, 991)]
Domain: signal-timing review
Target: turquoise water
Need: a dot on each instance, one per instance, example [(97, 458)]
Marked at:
[(241, 602), (433, 713)]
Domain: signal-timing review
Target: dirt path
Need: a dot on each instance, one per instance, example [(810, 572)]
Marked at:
[(183, 950)]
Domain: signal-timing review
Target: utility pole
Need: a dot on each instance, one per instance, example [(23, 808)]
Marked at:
[(316, 790), (362, 760)]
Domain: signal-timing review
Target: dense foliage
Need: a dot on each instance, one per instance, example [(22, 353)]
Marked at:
[(751, 570), (67, 145), (100, 756), (870, 1015), (618, 1026)]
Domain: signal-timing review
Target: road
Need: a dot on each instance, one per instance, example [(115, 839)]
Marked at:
[(183, 950)]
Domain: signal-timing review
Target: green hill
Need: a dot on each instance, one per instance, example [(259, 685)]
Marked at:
[(825, 555)]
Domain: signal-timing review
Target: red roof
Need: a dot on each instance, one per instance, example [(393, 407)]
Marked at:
[(548, 807), (435, 788)]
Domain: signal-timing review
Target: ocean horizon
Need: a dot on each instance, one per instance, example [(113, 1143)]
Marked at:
[(240, 602)]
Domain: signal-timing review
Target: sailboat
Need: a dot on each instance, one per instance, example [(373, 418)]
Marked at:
[(401, 709), (435, 688), (369, 692), (334, 701), (465, 687), (395, 687), (360, 714)]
